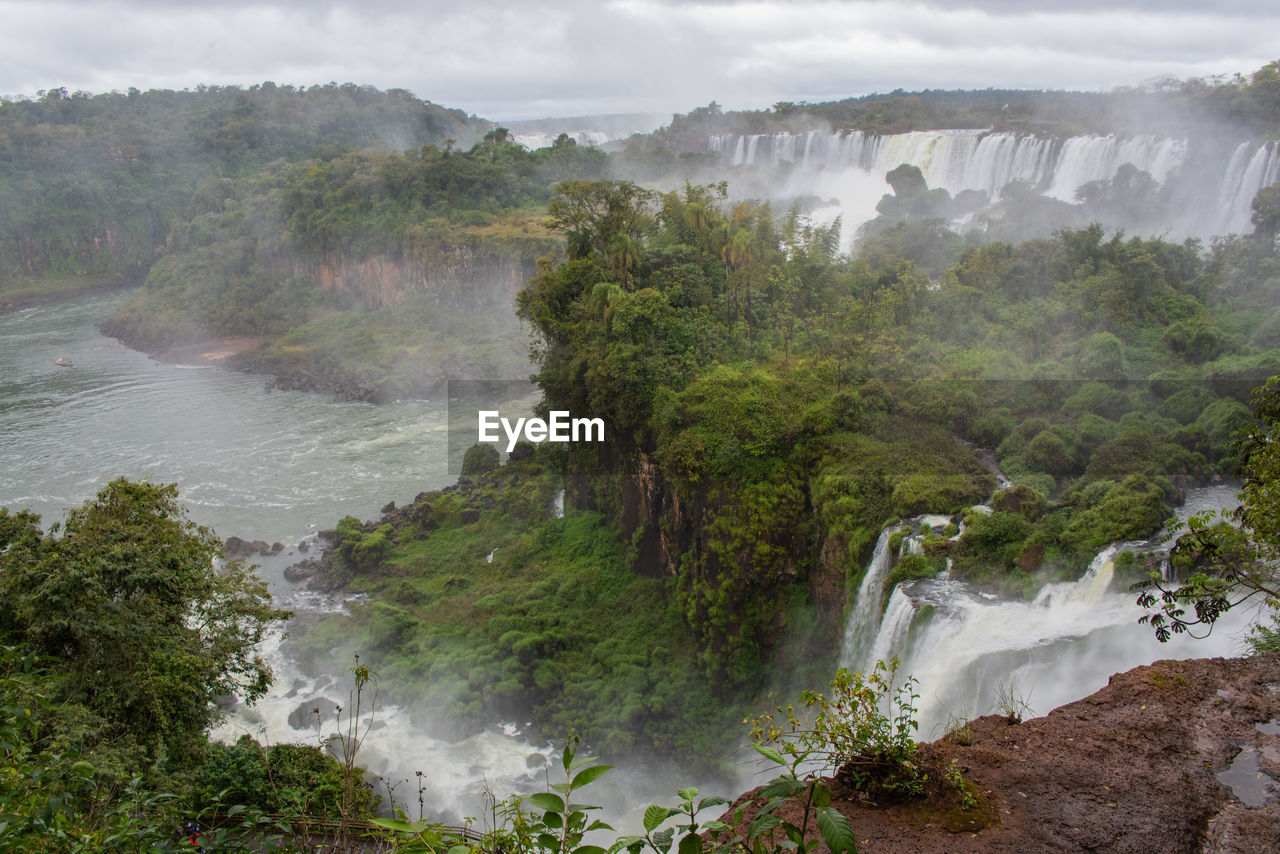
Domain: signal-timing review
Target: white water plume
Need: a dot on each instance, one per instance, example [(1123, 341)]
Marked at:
[(966, 647), (851, 165), (457, 776)]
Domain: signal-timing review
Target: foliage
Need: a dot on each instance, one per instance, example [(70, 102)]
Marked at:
[(1226, 565), (126, 595), (554, 627), (479, 459), (866, 728)]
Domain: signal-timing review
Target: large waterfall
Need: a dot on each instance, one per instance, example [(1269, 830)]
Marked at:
[(967, 648), (853, 164)]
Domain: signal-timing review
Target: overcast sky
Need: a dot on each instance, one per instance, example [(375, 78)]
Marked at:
[(509, 60)]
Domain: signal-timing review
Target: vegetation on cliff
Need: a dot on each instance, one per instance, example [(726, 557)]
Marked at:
[(1246, 104), (91, 184)]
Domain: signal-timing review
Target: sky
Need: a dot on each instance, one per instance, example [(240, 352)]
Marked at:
[(507, 60)]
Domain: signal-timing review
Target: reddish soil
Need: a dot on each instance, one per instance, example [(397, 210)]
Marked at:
[(1132, 768)]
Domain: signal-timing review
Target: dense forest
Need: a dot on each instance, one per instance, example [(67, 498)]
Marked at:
[(772, 403), (1244, 105)]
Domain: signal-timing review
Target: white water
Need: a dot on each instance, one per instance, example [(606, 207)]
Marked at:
[(455, 774), (860, 631), (851, 166), (545, 139), (965, 647), (276, 466)]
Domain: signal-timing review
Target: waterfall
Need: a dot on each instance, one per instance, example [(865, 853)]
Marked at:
[(864, 621), (964, 645), (960, 159), (1251, 167), (853, 164)]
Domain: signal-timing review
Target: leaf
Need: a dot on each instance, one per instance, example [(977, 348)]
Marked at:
[(690, 844), (762, 824), (547, 802), (781, 787), (589, 849), (712, 801), (821, 795), (396, 824), (836, 832), (655, 815), (589, 775), (687, 794), (769, 753), (578, 763)]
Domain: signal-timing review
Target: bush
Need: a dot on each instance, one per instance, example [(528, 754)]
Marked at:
[(911, 568), (480, 458), (866, 729)]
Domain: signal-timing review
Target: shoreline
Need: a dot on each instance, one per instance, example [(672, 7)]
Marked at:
[(207, 351), (21, 302)]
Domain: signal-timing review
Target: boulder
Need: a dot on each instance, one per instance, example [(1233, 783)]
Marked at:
[(305, 716)]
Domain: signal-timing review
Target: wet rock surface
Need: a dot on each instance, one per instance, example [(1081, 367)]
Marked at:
[(1137, 767)]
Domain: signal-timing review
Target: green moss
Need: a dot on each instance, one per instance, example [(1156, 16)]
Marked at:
[(911, 568)]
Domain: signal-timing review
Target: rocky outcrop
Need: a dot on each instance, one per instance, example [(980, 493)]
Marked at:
[(468, 275), (1179, 756)]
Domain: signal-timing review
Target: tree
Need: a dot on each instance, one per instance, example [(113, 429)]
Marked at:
[(596, 213), (1232, 563), (1266, 213), (148, 628)]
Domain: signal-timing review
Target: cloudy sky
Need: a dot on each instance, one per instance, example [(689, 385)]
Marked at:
[(503, 59)]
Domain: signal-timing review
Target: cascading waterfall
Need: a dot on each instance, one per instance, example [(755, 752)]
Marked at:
[(853, 164), (961, 159), (965, 646), (1252, 166), (863, 623)]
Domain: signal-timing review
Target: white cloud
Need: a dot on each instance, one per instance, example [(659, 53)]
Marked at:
[(513, 60)]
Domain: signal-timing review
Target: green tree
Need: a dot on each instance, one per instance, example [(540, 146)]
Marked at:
[(596, 214), (149, 628), (1230, 564)]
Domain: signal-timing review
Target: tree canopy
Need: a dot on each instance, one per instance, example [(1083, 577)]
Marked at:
[(146, 624)]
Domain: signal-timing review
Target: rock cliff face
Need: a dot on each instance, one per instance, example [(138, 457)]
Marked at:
[(1177, 756), (460, 275), (109, 251), (676, 538)]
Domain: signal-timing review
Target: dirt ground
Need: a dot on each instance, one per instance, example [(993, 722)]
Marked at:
[(1141, 766)]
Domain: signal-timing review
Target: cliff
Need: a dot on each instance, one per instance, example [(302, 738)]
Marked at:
[(1177, 756)]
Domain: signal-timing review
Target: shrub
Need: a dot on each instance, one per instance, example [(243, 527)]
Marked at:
[(480, 458)]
